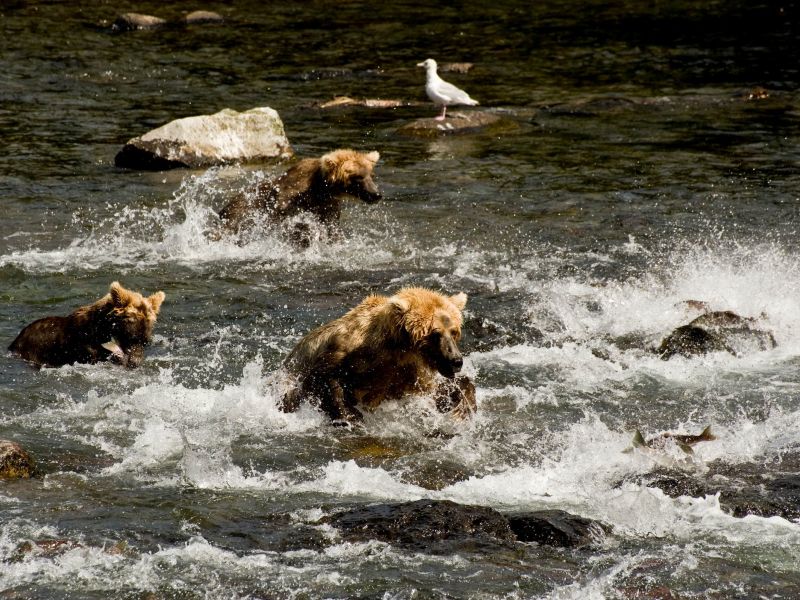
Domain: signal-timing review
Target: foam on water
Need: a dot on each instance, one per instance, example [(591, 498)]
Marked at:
[(181, 233)]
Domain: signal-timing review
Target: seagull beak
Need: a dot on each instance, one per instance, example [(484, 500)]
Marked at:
[(422, 64)]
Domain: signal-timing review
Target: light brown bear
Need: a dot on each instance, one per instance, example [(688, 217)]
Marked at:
[(122, 320), (315, 186), (384, 348)]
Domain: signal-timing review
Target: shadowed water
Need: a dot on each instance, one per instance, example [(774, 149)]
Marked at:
[(641, 169)]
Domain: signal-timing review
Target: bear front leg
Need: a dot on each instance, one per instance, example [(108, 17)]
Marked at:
[(456, 396), (336, 406)]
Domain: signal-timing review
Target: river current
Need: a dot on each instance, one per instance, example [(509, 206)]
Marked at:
[(652, 157)]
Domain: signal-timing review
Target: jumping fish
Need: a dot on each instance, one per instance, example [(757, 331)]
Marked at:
[(683, 441)]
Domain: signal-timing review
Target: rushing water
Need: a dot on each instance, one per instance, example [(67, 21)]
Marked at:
[(638, 174)]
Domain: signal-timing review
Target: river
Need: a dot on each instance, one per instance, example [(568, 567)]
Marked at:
[(652, 157)]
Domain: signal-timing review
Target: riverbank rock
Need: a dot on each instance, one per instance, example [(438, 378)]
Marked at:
[(15, 462), (718, 331), (455, 123), (135, 21), (440, 526), (256, 135)]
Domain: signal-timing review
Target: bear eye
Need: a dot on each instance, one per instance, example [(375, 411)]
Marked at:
[(455, 333)]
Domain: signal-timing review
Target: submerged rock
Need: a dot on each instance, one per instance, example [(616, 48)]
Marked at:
[(207, 140), (15, 462), (134, 21), (556, 528), (441, 526), (424, 524), (766, 489), (456, 122), (719, 331)]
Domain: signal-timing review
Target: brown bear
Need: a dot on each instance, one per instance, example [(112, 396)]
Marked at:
[(122, 320), (315, 186), (384, 348)]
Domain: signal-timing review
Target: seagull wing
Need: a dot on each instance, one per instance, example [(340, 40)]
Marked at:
[(452, 94)]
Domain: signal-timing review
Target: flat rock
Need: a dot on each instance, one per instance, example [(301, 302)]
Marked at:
[(456, 67), (15, 462), (455, 123), (442, 526), (256, 135), (340, 101), (426, 525), (133, 21), (202, 16)]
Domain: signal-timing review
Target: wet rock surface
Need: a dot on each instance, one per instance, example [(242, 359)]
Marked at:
[(556, 528), (456, 123), (202, 16), (15, 461), (718, 331), (228, 136), (135, 21), (763, 489), (439, 526), (132, 21)]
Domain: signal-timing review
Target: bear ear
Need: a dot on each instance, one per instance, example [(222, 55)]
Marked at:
[(460, 300), (119, 295), (400, 304), (156, 300), (328, 162), (374, 156)]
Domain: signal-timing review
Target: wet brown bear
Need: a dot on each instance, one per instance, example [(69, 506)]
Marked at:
[(315, 186), (121, 316), (384, 348)]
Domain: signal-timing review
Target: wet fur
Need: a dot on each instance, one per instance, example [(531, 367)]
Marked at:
[(315, 186), (384, 348), (121, 315)]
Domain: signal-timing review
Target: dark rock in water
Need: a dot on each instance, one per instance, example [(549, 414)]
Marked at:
[(441, 526), (202, 16), (135, 21), (719, 331), (424, 525), (228, 136), (15, 462), (763, 489), (556, 528), (456, 122)]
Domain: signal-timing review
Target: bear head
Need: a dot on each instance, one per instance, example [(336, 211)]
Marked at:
[(132, 320), (432, 323), (350, 172)]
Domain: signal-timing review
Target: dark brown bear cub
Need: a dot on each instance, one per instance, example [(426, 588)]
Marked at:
[(315, 186), (121, 317), (385, 348)]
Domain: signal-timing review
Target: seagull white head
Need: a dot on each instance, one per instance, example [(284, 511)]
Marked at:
[(429, 64)]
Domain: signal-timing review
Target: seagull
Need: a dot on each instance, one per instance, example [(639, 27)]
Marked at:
[(441, 92)]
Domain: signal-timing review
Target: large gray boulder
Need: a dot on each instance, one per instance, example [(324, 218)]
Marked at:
[(256, 135)]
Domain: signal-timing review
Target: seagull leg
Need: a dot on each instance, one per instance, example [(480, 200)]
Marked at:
[(441, 116)]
